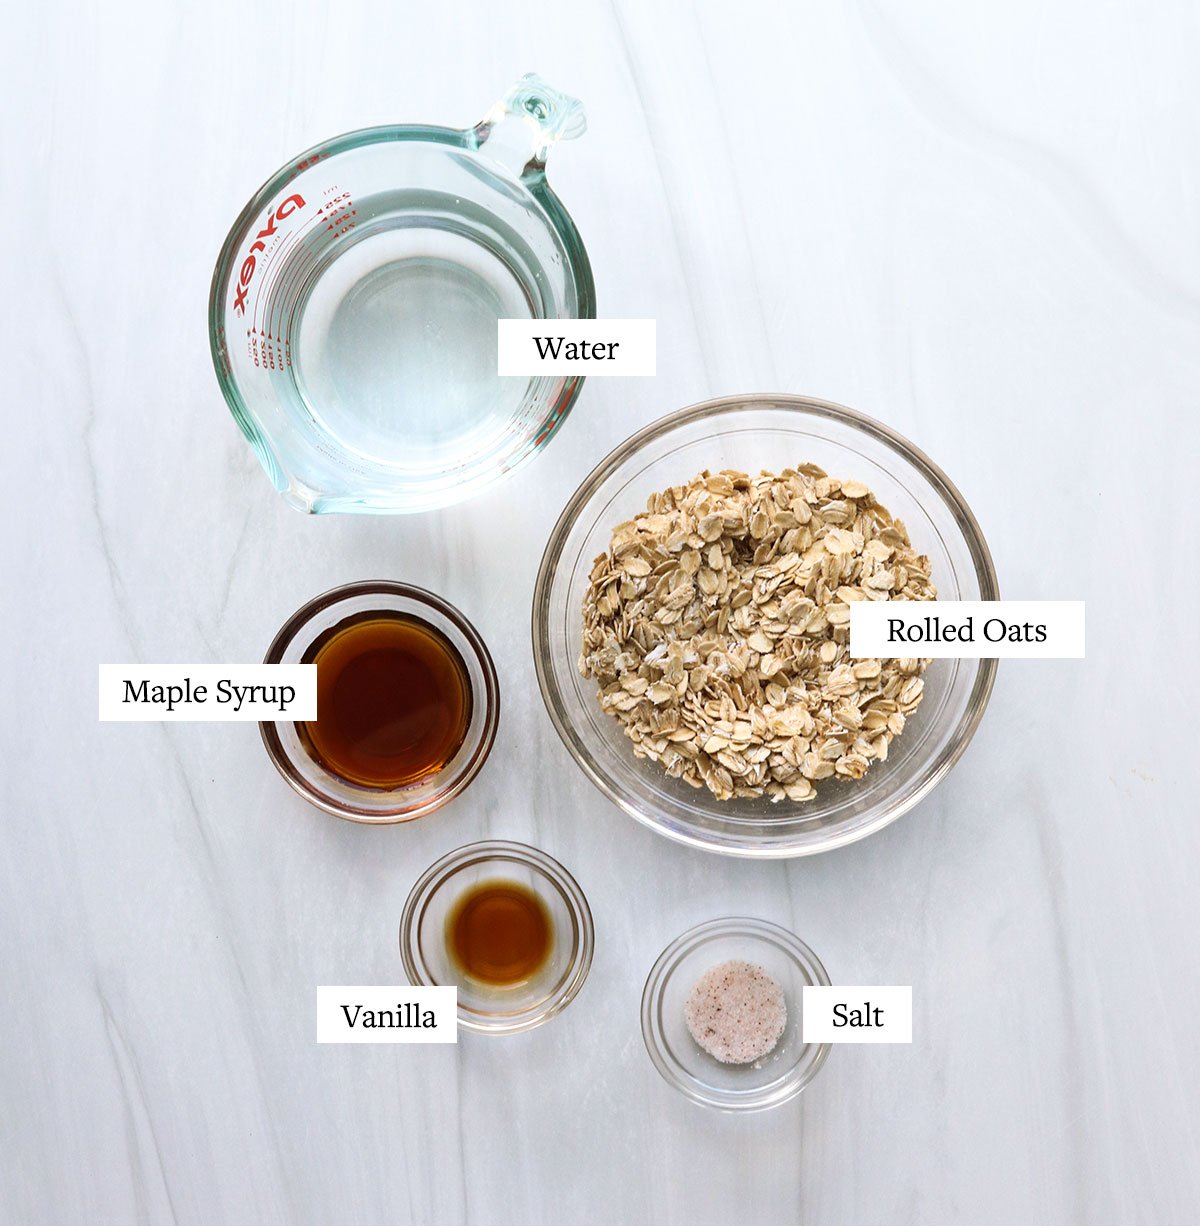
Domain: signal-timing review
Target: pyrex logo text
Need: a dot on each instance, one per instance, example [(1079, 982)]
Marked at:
[(285, 209)]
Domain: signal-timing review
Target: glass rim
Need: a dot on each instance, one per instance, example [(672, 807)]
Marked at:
[(499, 851), (552, 695), (665, 965), (488, 700), (347, 142)]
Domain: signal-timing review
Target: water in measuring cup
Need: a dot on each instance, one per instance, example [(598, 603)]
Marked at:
[(393, 340)]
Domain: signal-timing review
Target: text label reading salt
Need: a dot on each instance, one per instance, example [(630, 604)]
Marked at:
[(846, 1014)]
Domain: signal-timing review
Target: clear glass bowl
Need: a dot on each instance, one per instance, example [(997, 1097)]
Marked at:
[(754, 433), (481, 1007), (352, 800), (352, 316), (777, 1076)]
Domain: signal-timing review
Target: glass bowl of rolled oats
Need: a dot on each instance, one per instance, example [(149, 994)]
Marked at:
[(691, 625)]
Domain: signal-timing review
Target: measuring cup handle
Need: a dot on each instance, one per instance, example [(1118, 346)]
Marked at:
[(523, 126)]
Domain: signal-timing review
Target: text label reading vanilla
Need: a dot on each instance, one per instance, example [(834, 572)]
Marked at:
[(387, 1015), (209, 692)]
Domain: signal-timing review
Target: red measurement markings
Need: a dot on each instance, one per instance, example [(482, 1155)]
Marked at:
[(263, 337), (337, 206), (271, 255), (284, 209), (274, 261), (278, 263), (285, 281), (276, 252), (269, 346), (547, 428), (340, 215), (268, 355), (339, 211)]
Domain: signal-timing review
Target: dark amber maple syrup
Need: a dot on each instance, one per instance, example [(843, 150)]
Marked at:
[(393, 700), (500, 933)]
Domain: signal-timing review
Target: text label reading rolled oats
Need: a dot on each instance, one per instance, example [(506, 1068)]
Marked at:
[(968, 629)]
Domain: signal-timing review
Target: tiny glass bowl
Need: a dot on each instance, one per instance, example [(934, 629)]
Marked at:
[(355, 801), (752, 433), (485, 1007), (774, 1078)]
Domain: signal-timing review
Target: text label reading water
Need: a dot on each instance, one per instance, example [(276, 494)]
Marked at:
[(576, 347)]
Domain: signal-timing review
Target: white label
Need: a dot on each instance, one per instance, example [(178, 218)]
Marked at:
[(154, 692), (387, 1015), (967, 629), (576, 347), (857, 1015)]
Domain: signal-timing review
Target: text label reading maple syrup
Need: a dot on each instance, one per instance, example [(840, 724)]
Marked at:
[(500, 933), (393, 700)]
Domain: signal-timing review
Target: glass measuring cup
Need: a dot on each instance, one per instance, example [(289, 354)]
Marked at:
[(353, 308)]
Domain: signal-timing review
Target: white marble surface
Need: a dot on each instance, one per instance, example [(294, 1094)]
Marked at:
[(976, 222)]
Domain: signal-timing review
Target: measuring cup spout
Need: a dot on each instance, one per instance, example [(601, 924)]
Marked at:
[(521, 128)]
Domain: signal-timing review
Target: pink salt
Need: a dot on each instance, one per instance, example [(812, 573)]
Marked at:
[(736, 1012)]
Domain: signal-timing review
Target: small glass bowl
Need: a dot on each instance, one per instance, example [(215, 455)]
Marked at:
[(752, 433), (484, 1007), (357, 802), (779, 1075)]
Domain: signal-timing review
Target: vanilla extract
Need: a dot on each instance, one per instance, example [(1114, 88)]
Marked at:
[(500, 933)]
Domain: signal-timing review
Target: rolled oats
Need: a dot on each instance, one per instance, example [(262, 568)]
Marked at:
[(717, 628)]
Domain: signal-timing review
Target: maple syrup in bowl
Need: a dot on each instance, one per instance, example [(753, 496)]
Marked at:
[(506, 925), (407, 702)]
